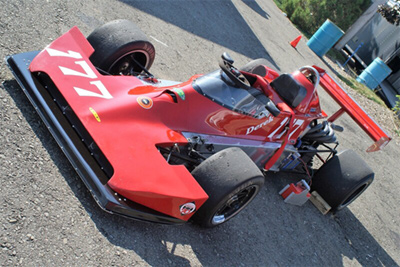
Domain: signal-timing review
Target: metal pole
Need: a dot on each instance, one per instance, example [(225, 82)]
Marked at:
[(355, 51)]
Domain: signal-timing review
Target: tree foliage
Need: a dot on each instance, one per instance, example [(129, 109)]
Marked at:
[(309, 15)]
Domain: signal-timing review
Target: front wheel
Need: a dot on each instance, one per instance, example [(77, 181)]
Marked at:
[(121, 48), (231, 180), (342, 179)]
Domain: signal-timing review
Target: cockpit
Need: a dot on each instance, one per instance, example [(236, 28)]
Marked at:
[(234, 89), (220, 89)]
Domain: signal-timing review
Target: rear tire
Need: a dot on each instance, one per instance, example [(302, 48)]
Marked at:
[(231, 180), (342, 179), (116, 43)]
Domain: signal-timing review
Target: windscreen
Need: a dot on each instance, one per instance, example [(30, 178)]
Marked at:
[(220, 89)]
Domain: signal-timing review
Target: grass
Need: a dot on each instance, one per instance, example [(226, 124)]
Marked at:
[(362, 89), (368, 93), (335, 55), (396, 111)]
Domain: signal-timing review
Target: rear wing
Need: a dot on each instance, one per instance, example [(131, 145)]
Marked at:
[(348, 105)]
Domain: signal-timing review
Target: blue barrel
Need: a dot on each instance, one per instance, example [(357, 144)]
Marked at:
[(374, 74), (326, 36)]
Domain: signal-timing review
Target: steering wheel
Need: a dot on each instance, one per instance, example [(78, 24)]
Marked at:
[(226, 64)]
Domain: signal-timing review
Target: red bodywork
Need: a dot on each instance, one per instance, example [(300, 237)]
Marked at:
[(127, 129)]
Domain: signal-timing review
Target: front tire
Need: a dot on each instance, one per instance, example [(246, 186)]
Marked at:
[(342, 179), (231, 180), (118, 44)]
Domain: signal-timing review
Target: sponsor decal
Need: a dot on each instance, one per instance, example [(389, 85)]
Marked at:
[(180, 93), (254, 128), (187, 208), (95, 114), (145, 102)]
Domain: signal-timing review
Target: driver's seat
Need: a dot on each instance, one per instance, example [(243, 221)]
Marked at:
[(289, 89)]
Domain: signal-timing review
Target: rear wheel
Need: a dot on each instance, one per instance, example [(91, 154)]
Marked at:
[(121, 48), (342, 179), (231, 180)]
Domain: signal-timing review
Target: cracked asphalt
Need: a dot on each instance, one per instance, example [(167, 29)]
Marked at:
[(49, 218)]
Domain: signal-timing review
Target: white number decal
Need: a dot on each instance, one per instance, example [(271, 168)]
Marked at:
[(277, 129), (103, 91), (298, 123), (86, 73), (56, 53)]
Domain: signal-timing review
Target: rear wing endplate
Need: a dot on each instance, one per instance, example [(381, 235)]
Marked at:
[(351, 107)]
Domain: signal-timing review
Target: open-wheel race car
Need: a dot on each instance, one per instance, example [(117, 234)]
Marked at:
[(165, 151)]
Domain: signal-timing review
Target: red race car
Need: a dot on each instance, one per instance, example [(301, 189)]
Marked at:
[(166, 151)]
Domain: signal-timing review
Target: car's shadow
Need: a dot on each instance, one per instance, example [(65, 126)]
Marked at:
[(268, 230), (204, 19), (256, 8)]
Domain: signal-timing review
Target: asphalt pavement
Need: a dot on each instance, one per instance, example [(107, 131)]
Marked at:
[(49, 218)]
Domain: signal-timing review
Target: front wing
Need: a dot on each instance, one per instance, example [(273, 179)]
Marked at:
[(73, 147)]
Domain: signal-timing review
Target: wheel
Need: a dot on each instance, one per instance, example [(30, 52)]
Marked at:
[(119, 46), (342, 179), (226, 64), (231, 180), (256, 66)]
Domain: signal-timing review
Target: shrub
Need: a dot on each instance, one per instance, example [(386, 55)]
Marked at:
[(309, 15)]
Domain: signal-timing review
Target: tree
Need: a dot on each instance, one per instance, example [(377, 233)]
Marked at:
[(391, 11), (309, 15)]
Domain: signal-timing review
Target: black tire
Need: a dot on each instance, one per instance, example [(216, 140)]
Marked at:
[(231, 180), (256, 66), (342, 179), (115, 43)]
